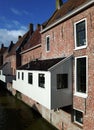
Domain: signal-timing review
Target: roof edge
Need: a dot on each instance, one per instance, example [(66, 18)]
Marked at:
[(30, 49), (62, 61), (73, 12)]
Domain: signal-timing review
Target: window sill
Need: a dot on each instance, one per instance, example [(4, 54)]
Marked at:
[(78, 124), (83, 95), (47, 51), (79, 48)]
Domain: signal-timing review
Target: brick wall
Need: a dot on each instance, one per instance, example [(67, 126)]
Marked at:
[(31, 55), (12, 60), (62, 44), (87, 104), (61, 41)]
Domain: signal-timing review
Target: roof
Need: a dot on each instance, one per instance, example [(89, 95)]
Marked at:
[(10, 46), (65, 9), (17, 45), (2, 66), (42, 65), (2, 50), (35, 39)]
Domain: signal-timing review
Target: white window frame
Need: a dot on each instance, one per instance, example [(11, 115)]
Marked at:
[(74, 117), (39, 80), (49, 43), (84, 95), (84, 46)]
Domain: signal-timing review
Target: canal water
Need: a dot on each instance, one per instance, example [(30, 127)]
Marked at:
[(15, 115)]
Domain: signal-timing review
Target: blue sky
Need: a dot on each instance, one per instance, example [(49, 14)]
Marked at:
[(15, 16)]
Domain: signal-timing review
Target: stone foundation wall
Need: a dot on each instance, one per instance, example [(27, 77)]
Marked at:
[(60, 119)]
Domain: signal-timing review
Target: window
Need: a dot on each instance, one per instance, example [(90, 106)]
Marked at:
[(41, 80), (81, 74), (47, 43), (80, 34), (78, 117), (30, 78), (62, 81), (18, 75), (22, 75)]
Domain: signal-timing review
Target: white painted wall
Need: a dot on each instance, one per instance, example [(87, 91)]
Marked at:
[(50, 96), (2, 77), (40, 95)]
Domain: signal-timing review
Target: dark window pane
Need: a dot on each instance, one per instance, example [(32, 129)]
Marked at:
[(81, 75), (41, 80), (30, 78), (18, 75), (62, 81), (48, 43), (78, 116), (22, 76), (80, 34)]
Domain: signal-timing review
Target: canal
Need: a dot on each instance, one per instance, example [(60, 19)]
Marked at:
[(15, 115)]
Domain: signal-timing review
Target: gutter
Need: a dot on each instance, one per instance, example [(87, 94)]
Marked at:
[(73, 12), (30, 48)]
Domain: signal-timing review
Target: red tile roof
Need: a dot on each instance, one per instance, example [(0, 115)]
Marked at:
[(17, 45), (2, 50), (66, 8), (35, 39)]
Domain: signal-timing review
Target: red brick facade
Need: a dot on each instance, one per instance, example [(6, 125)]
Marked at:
[(61, 40), (33, 54), (62, 43)]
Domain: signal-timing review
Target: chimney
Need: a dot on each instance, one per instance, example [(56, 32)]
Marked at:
[(2, 45), (38, 26), (59, 3), (12, 42), (31, 28), (19, 37)]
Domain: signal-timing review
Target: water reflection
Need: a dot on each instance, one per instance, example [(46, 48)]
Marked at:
[(15, 115)]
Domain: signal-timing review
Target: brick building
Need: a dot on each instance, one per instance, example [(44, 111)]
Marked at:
[(56, 76), (12, 58), (32, 49), (70, 30), (2, 51)]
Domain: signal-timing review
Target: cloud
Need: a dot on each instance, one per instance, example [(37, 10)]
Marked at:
[(15, 22), (20, 12), (26, 12), (6, 36), (15, 11)]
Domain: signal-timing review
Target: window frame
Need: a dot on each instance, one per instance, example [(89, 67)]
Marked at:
[(47, 50), (75, 35), (81, 94), (74, 117), (41, 85), (30, 81)]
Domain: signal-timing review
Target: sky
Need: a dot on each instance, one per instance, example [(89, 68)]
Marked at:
[(16, 15)]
